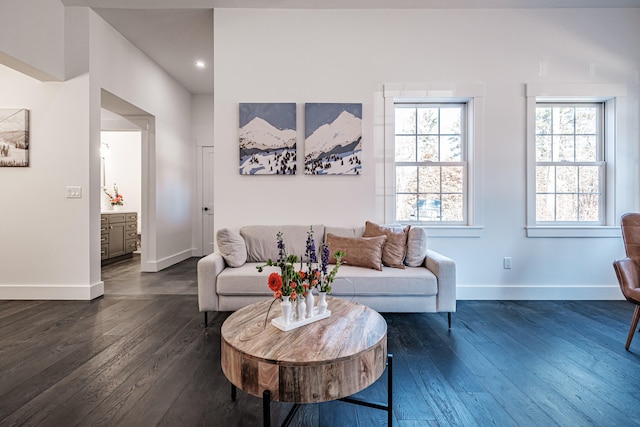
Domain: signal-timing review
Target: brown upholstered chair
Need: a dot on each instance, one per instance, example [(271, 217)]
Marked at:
[(628, 269)]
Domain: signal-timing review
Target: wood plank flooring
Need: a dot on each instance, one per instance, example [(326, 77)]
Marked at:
[(139, 356)]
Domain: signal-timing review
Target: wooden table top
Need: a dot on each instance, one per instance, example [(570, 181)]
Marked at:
[(325, 360)]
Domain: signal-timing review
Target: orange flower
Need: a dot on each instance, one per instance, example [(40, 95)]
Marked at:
[(302, 275), (277, 294), (293, 295), (275, 282)]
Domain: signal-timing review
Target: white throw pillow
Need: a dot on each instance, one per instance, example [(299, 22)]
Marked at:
[(232, 247), (416, 247)]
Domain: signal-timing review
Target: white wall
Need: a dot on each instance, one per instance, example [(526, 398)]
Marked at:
[(123, 166), (32, 37), (345, 56), (138, 80), (50, 244), (45, 250)]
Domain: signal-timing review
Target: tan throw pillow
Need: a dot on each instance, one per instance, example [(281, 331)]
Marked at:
[(360, 251), (232, 247), (395, 248)]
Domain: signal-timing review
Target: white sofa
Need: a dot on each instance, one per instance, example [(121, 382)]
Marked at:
[(425, 282)]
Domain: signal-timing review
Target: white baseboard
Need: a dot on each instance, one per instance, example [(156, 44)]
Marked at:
[(161, 264), (51, 292), (533, 292)]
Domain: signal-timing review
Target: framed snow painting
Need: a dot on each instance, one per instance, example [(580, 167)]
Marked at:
[(267, 138), (333, 139), (14, 137)]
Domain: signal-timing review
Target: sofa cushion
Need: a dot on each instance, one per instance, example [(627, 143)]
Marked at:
[(395, 248), (416, 247), (360, 251), (262, 244), (344, 231), (350, 281), (232, 247)]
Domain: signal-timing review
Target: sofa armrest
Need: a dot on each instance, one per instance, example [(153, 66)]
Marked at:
[(208, 269), (445, 270)]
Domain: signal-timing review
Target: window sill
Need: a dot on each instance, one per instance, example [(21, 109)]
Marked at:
[(578, 231)]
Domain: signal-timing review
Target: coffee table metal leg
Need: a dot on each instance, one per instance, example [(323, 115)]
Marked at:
[(266, 408)]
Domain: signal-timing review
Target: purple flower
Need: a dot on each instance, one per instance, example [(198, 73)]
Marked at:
[(324, 258), (311, 248), (282, 254)]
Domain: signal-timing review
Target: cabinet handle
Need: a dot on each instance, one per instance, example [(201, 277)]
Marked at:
[(110, 227)]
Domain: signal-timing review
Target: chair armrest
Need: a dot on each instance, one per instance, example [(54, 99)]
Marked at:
[(628, 274), (444, 269), (208, 269)]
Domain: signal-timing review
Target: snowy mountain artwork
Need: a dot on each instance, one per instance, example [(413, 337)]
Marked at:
[(14, 137), (333, 139), (267, 139)]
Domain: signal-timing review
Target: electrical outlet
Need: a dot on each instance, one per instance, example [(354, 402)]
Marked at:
[(74, 192), (506, 262)]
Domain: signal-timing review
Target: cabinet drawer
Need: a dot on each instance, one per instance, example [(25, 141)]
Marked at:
[(116, 218), (131, 217), (103, 252), (130, 234), (130, 246), (104, 229), (131, 226), (104, 220), (104, 239)]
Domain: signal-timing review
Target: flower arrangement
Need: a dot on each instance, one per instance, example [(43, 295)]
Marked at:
[(294, 284), (116, 199), (290, 282)]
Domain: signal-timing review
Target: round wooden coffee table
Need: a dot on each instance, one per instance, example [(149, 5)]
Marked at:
[(330, 359)]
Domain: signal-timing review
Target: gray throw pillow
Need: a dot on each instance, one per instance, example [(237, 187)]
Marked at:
[(231, 246), (416, 247)]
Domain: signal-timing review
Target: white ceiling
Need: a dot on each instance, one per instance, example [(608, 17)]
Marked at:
[(175, 33)]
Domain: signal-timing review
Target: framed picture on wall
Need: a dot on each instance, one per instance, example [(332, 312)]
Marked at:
[(333, 139), (267, 138), (14, 137)]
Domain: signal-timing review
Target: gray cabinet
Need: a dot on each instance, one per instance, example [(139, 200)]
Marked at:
[(118, 235)]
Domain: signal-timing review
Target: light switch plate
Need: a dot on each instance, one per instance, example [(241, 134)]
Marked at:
[(74, 192)]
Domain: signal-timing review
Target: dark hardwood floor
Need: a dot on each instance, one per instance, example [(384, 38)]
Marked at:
[(139, 356)]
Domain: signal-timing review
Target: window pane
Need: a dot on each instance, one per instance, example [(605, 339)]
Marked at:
[(452, 207), (428, 121), (586, 149), (429, 206), (589, 207), (405, 148), (545, 207), (450, 149), (564, 146), (406, 207), (543, 148), (545, 179), (452, 179), (450, 120), (543, 120), (405, 121), (430, 179), (406, 179), (427, 148), (567, 179), (567, 207), (563, 120), (586, 120), (589, 179)]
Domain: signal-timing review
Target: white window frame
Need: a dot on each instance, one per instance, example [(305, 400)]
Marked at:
[(472, 94), (557, 93)]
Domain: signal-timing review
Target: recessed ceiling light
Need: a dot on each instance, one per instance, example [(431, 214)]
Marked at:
[(200, 64)]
